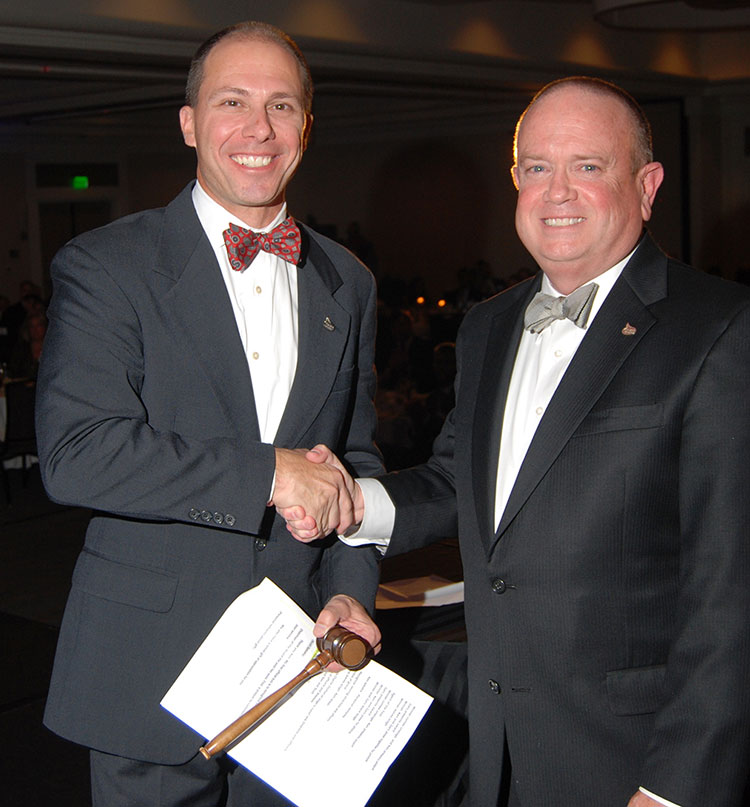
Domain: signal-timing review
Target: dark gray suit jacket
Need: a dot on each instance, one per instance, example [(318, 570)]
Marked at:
[(146, 415), (609, 615)]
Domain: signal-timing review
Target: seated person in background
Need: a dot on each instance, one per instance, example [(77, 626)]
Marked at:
[(24, 358)]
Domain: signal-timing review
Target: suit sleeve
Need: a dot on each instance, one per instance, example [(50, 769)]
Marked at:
[(97, 447), (699, 752)]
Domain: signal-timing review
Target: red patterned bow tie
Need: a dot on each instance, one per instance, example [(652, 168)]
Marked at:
[(243, 245)]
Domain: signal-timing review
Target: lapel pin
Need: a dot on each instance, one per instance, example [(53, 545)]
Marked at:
[(328, 325), (628, 330)]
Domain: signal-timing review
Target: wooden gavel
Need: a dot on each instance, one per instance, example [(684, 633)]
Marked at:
[(339, 644)]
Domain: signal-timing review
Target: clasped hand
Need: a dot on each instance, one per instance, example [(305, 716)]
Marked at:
[(314, 493)]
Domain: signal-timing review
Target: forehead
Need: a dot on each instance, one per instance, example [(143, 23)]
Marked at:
[(578, 117), (247, 62)]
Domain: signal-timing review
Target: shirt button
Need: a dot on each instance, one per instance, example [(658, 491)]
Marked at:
[(256, 355), (498, 586), (258, 289), (540, 410), (494, 686), (558, 353)]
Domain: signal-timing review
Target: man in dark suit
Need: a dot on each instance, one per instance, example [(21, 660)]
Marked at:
[(597, 473), (179, 383)]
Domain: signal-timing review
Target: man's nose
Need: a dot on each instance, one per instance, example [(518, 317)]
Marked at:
[(257, 124), (559, 188)]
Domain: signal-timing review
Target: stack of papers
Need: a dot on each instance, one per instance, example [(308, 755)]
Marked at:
[(362, 719)]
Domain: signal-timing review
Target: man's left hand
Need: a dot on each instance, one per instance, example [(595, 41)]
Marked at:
[(344, 610)]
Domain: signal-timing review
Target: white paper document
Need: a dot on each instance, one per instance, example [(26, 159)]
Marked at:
[(358, 721)]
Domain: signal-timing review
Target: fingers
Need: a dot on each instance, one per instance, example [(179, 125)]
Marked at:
[(312, 490), (303, 533), (318, 499), (344, 610), (321, 453)]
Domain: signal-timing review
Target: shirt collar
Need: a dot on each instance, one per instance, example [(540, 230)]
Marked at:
[(605, 281)]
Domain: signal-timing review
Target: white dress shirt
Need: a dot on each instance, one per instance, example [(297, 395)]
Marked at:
[(264, 301), (540, 364)]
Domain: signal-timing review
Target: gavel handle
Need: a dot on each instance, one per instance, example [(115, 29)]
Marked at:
[(252, 716)]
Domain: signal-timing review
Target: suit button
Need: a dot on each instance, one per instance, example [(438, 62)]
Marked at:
[(498, 585), (194, 514), (261, 544), (494, 686), (229, 520), (218, 518), (205, 515)]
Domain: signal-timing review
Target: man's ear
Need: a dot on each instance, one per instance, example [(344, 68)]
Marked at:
[(306, 129), (514, 175), (187, 124), (650, 178)]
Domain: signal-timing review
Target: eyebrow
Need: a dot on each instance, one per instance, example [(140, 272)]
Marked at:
[(575, 157), (276, 96), (228, 91)]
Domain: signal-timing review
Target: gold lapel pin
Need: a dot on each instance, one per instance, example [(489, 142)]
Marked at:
[(328, 325), (628, 330)]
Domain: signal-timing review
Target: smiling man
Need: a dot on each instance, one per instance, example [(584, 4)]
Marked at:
[(596, 470), (191, 352)]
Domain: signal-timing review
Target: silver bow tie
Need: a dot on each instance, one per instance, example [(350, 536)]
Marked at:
[(545, 308)]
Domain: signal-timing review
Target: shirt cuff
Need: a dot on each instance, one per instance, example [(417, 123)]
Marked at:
[(378, 520), (657, 798)]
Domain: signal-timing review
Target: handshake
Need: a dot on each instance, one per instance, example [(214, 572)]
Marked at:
[(315, 494)]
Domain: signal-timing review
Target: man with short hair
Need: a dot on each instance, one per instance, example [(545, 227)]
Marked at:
[(192, 352), (596, 470)]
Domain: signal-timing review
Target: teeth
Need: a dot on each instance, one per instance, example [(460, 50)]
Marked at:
[(562, 222), (250, 161)]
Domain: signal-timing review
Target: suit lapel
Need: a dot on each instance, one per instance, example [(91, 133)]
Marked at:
[(621, 323), (491, 391), (323, 335), (198, 304)]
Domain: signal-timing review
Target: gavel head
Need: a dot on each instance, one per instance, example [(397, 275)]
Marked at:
[(346, 648)]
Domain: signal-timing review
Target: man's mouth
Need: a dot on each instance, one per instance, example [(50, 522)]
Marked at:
[(252, 161), (566, 222)]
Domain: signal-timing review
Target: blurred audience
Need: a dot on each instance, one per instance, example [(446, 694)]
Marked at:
[(13, 316), (24, 357)]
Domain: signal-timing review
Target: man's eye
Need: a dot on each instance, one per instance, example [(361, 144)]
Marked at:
[(590, 169), (231, 102), (536, 169)]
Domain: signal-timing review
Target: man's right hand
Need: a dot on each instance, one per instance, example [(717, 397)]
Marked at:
[(313, 494), (301, 521)]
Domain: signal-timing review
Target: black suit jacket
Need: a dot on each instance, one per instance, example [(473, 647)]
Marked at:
[(608, 615), (145, 414)]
